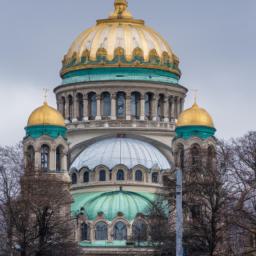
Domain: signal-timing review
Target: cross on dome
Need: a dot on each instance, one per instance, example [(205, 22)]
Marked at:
[(120, 10)]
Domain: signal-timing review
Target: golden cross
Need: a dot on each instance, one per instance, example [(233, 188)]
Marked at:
[(195, 92), (45, 94)]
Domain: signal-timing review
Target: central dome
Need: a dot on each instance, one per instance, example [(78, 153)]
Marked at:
[(120, 41)]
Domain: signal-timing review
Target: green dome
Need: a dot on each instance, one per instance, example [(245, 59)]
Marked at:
[(113, 203)]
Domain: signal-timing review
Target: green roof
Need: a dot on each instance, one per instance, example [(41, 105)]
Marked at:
[(111, 204)]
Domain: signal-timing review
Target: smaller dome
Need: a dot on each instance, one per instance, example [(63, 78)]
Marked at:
[(46, 115), (195, 116)]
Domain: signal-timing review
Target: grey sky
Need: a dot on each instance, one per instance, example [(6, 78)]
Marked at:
[(214, 39)]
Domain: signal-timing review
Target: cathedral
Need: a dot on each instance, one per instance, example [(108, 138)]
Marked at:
[(118, 126)]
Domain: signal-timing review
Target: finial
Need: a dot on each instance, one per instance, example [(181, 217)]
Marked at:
[(195, 92), (45, 95), (121, 10)]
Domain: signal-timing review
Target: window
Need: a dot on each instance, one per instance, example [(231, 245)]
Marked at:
[(74, 178), (80, 106), (45, 155), (120, 104), (70, 107), (120, 175), (106, 104), (155, 177), (84, 232), (195, 155), (86, 177), (92, 104), (148, 105), (101, 231), (63, 102), (102, 176), (160, 108), (138, 175), (120, 231), (31, 157), (139, 230), (58, 158), (135, 105)]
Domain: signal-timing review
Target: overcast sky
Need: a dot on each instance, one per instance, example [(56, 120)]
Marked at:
[(214, 39)]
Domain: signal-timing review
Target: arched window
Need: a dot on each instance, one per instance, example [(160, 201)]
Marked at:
[(63, 102), (195, 156), (139, 230), (102, 176), (180, 157), (84, 232), (45, 157), (74, 178), (86, 177), (135, 105), (120, 175), (120, 231), (138, 175), (211, 155), (59, 152), (31, 157), (148, 105), (70, 107), (101, 231), (92, 105), (106, 104), (155, 177), (80, 106), (120, 104), (160, 107)]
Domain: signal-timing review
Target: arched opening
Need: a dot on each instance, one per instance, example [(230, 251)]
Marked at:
[(195, 156), (63, 104), (74, 178), (180, 157), (139, 231), (120, 231), (160, 108), (120, 175), (86, 177), (59, 156), (155, 177), (84, 232), (106, 104), (80, 106), (135, 105), (120, 105), (148, 105), (45, 157), (101, 231), (70, 107), (102, 175), (139, 176), (211, 155), (92, 105), (30, 157)]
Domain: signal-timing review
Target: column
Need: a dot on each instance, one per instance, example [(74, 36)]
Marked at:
[(37, 159), (128, 106), (113, 106), (75, 110), (154, 108), (166, 109), (173, 108), (182, 104), (85, 114), (52, 163), (98, 116), (142, 108), (178, 106)]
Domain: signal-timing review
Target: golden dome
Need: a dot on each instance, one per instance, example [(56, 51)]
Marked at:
[(120, 41), (195, 116), (46, 115)]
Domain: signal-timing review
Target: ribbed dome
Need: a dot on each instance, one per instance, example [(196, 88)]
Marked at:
[(126, 151), (195, 116), (113, 203), (46, 115), (120, 41)]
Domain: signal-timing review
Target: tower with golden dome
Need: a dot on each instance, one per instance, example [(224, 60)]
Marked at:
[(118, 125)]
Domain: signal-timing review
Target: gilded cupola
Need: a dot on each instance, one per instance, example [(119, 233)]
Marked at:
[(195, 121), (120, 41), (45, 120)]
